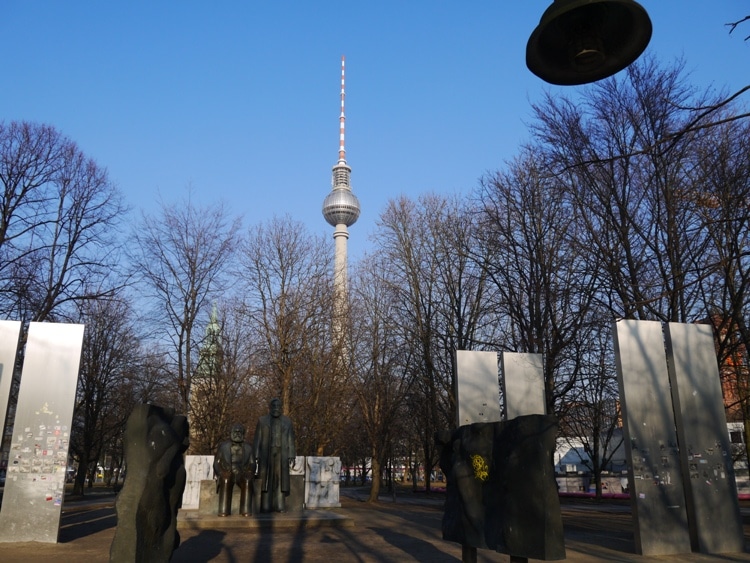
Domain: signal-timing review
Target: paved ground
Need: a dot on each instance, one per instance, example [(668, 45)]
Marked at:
[(407, 530)]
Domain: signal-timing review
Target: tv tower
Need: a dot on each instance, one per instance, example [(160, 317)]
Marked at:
[(341, 209)]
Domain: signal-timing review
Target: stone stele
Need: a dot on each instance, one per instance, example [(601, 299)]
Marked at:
[(501, 491), (155, 439)]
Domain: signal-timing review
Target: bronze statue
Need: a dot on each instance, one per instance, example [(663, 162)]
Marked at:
[(274, 451), (234, 465)]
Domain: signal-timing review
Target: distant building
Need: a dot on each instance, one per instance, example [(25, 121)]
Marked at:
[(733, 367)]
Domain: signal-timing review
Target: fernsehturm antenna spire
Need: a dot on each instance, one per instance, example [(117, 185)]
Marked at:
[(341, 207)]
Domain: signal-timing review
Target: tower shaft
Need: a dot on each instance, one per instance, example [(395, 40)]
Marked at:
[(340, 262)]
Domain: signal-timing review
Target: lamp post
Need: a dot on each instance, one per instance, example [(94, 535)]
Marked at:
[(581, 41)]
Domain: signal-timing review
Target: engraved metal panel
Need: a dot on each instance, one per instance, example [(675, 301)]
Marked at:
[(477, 387), (711, 492), (523, 384), (656, 486), (9, 332), (35, 482)]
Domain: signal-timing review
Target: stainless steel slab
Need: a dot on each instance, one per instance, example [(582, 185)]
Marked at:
[(711, 492), (523, 384), (477, 387), (34, 486), (651, 445)]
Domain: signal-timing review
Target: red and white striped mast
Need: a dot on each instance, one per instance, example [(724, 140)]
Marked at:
[(342, 117)]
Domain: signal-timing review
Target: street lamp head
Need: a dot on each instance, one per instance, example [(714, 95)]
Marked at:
[(581, 41)]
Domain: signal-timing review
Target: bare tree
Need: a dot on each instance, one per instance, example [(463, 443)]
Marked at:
[(103, 401), (152, 380), (657, 174), (289, 298), (628, 175), (593, 414), (543, 285), (439, 292), (380, 381), (222, 392), (59, 218), (722, 171), (182, 255)]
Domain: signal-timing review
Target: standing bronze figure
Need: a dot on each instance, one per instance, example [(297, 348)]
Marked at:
[(274, 451), (234, 465)]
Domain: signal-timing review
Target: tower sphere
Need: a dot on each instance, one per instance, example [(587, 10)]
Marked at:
[(341, 206)]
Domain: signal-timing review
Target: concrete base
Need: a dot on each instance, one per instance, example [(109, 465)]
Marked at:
[(305, 520), (209, 499)]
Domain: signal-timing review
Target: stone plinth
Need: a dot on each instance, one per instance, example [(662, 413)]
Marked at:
[(209, 499)]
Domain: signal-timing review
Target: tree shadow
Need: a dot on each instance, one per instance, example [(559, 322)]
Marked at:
[(82, 523), (204, 547), (410, 544)]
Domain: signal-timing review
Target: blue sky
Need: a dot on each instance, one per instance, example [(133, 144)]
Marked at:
[(240, 100)]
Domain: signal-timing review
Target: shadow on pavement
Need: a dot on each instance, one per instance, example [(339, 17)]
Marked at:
[(81, 523), (205, 546), (410, 544)]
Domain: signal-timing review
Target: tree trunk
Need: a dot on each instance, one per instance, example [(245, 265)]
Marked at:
[(92, 474), (80, 479), (596, 465), (428, 446), (746, 427), (375, 489), (598, 479)]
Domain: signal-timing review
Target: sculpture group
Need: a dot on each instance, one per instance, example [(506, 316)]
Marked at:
[(261, 471), (155, 439)]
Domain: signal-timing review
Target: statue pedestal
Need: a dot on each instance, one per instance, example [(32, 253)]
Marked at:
[(209, 499), (294, 500)]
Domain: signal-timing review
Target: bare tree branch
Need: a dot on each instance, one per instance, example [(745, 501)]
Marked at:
[(693, 126), (733, 25)]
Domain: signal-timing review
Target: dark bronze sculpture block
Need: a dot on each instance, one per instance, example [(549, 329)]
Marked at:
[(155, 439), (501, 490)]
